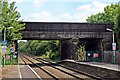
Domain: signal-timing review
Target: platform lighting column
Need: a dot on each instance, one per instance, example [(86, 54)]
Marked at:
[(113, 45)]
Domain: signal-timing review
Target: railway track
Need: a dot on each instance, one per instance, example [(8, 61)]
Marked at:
[(38, 69), (56, 71), (80, 72)]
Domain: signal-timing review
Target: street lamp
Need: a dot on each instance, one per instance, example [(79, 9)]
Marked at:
[(4, 36), (5, 32), (4, 44), (113, 44)]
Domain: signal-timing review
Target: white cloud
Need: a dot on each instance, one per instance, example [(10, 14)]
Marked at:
[(43, 16), (46, 16), (35, 3), (86, 10), (95, 7), (80, 14), (65, 0), (39, 3)]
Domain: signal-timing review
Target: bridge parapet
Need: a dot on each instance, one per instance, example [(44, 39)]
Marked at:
[(62, 35), (67, 27)]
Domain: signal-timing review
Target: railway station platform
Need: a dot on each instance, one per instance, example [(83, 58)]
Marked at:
[(11, 71), (18, 72), (103, 70), (114, 67)]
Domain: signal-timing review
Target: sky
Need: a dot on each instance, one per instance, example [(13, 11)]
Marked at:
[(60, 10)]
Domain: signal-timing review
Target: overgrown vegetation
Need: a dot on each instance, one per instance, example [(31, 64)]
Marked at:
[(43, 48), (81, 53)]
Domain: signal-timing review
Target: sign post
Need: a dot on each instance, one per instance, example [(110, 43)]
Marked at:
[(113, 45), (0, 45), (3, 52), (114, 49)]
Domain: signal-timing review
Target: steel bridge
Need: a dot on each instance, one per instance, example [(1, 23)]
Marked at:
[(69, 33)]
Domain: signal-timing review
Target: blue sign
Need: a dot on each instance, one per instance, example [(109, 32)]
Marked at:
[(4, 43)]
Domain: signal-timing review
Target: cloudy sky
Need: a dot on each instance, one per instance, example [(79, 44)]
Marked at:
[(60, 10)]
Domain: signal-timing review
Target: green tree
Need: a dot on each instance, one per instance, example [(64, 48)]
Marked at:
[(107, 16), (48, 49), (117, 25), (111, 14), (0, 13), (11, 17), (95, 18), (22, 46)]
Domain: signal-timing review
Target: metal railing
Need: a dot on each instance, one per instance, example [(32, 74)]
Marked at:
[(108, 57)]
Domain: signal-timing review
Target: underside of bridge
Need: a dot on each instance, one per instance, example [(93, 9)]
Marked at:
[(91, 44), (69, 47)]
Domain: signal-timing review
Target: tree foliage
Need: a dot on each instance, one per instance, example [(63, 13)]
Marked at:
[(11, 18), (117, 25), (47, 49), (107, 16), (111, 14)]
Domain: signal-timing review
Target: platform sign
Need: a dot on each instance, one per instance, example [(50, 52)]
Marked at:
[(3, 50), (4, 43), (114, 46), (95, 55)]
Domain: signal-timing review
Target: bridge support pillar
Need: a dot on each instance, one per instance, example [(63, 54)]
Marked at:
[(68, 49)]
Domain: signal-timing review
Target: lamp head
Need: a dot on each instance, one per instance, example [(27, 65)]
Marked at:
[(109, 29)]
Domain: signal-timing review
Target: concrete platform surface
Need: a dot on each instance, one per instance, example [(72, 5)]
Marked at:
[(114, 67), (105, 65), (10, 71), (26, 72), (0, 72), (17, 72)]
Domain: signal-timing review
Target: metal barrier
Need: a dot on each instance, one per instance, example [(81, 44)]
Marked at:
[(108, 57)]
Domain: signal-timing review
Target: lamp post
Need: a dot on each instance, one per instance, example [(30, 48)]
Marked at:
[(4, 37), (113, 45), (5, 32), (3, 48), (4, 44)]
